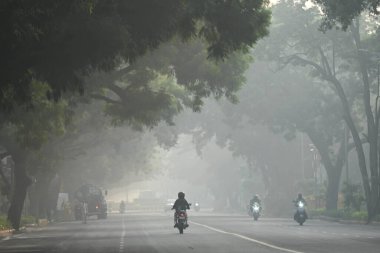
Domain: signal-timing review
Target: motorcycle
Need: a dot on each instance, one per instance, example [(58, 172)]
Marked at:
[(255, 210), (197, 207), (181, 220), (300, 215)]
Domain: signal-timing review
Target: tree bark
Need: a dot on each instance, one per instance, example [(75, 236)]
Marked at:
[(334, 171), (333, 189), (372, 128), (21, 184)]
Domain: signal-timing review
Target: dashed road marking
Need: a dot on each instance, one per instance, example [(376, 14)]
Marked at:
[(247, 238), (121, 245)]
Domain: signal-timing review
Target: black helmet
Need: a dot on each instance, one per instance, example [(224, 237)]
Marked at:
[(181, 195), (299, 195)]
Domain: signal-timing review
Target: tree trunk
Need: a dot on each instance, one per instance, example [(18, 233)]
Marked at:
[(334, 171), (333, 189), (372, 125), (21, 184)]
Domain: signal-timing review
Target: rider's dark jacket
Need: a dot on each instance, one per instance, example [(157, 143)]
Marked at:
[(181, 204), (255, 199)]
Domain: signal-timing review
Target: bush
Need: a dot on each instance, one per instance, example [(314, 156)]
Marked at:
[(316, 212), (340, 214), (353, 196), (359, 215), (27, 220), (4, 223)]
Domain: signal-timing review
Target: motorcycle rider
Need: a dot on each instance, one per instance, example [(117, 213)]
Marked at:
[(256, 199), (180, 204), (299, 199)]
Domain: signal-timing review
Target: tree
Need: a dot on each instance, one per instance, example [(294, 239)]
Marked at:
[(343, 12), (27, 130), (61, 42), (289, 100), (349, 75), (90, 151), (161, 84)]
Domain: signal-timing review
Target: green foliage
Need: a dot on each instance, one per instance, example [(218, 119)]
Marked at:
[(4, 223), (353, 196), (340, 214), (359, 215), (342, 12), (25, 220), (159, 99), (34, 124), (61, 41), (161, 84)]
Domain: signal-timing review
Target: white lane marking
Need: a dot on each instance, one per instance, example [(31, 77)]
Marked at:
[(247, 238), (121, 245)]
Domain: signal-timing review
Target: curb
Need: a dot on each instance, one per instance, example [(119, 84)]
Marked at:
[(6, 233), (10, 232)]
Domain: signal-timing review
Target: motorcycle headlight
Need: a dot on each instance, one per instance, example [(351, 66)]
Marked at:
[(300, 204), (256, 208)]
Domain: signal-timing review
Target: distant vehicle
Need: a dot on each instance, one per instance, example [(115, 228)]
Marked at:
[(169, 204), (255, 209), (91, 203), (197, 207), (300, 215)]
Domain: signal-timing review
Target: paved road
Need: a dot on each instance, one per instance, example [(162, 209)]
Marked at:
[(153, 233)]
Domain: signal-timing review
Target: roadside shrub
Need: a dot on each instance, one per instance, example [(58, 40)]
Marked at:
[(316, 212), (353, 196), (4, 223), (27, 220), (359, 215)]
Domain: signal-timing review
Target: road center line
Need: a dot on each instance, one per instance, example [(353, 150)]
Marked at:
[(246, 238), (121, 245)]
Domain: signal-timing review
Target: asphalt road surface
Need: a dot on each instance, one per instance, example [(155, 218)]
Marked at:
[(154, 233)]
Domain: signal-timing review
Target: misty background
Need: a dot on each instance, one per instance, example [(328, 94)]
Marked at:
[(267, 120)]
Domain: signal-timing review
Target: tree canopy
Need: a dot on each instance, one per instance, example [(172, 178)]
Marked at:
[(342, 12), (61, 41)]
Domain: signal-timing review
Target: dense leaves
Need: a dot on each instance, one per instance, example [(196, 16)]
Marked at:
[(61, 41), (342, 12)]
